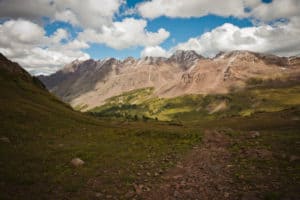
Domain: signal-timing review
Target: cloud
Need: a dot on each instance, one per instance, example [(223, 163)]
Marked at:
[(191, 8), (26, 42), (255, 9), (86, 14), (276, 9), (24, 39), (281, 39), (127, 33), (23, 32), (154, 51)]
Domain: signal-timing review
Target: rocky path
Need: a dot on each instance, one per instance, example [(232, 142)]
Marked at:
[(204, 174)]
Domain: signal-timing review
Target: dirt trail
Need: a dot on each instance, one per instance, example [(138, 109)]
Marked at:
[(203, 174)]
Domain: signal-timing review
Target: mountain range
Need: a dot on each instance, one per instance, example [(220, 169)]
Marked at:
[(88, 84)]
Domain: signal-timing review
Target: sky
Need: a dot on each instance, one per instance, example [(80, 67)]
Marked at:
[(44, 35)]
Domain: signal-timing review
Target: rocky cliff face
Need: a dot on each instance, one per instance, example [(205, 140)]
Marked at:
[(185, 72)]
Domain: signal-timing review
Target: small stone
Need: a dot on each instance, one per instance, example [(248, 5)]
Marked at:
[(5, 139), (264, 153), (147, 189), (156, 174), (138, 188), (148, 174), (98, 195), (254, 134), (108, 196), (294, 158), (76, 162), (249, 196), (129, 194), (176, 193), (226, 195)]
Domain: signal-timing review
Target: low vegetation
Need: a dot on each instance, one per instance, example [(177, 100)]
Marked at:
[(40, 135), (258, 98)]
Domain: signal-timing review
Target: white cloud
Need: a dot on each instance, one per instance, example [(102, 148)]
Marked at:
[(276, 9), (281, 39), (237, 8), (21, 31), (127, 33), (23, 39), (87, 13), (191, 8), (25, 42), (154, 51)]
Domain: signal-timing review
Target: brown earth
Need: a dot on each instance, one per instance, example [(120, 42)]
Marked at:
[(213, 171)]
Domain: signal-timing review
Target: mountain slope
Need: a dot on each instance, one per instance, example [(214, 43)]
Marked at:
[(40, 135), (88, 84)]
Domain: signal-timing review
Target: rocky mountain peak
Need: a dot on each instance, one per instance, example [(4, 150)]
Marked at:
[(151, 60), (185, 58), (129, 60), (182, 55)]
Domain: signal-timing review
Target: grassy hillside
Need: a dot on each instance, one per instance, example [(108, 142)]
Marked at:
[(40, 135), (259, 98)]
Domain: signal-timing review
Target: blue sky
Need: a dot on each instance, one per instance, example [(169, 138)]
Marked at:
[(44, 35)]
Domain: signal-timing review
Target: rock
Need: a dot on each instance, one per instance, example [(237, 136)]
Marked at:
[(294, 158), (138, 188), (264, 153), (250, 196), (147, 189), (226, 195), (179, 176), (5, 139), (129, 195), (176, 193), (254, 134), (109, 196), (98, 195), (76, 162), (148, 174)]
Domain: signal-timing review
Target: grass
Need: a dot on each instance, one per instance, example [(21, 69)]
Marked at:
[(196, 107), (119, 149), (45, 134)]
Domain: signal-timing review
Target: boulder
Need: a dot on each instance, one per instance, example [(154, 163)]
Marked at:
[(76, 162)]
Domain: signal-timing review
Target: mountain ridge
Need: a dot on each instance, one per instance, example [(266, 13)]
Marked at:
[(91, 82)]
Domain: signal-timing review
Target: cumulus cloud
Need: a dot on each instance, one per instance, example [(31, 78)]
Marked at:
[(26, 42), (192, 8), (281, 39), (23, 38), (276, 9), (87, 13), (129, 32), (154, 51), (237, 8)]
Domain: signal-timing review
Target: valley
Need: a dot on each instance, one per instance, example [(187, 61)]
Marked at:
[(240, 144)]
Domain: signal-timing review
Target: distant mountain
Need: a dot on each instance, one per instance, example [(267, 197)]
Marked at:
[(91, 82)]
